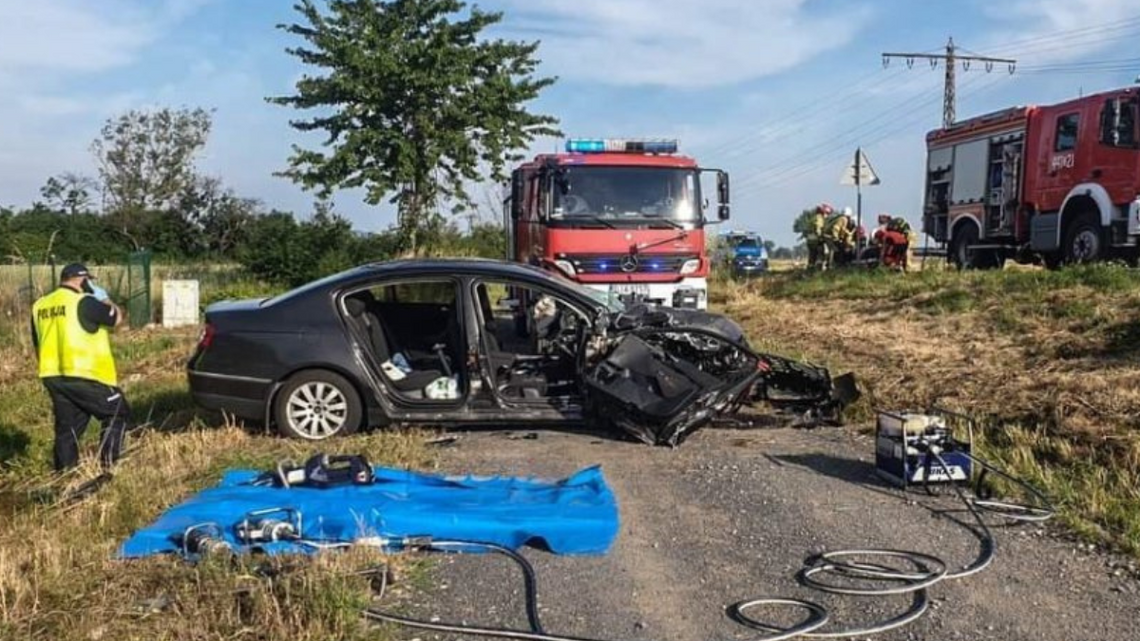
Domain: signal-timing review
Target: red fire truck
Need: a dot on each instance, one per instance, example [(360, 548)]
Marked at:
[(1059, 183), (622, 216)]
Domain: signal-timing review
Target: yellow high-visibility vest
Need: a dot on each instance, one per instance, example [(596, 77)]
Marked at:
[(65, 348)]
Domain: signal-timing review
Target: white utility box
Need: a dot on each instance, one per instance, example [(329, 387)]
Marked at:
[(179, 303)]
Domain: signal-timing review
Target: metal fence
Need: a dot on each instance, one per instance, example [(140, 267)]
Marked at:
[(128, 282)]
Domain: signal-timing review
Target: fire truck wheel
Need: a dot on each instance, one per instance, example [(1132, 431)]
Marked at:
[(1083, 241), (960, 255)]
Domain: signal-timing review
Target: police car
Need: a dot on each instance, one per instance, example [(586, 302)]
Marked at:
[(744, 254)]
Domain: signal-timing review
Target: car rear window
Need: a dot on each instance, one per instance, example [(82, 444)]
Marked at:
[(303, 289), (440, 292)]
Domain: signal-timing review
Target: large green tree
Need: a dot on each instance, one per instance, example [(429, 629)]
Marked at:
[(146, 162), (414, 100)]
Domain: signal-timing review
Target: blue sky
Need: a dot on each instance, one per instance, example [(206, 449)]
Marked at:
[(779, 92)]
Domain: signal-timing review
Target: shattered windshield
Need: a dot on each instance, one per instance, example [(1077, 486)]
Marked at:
[(608, 299), (634, 194)]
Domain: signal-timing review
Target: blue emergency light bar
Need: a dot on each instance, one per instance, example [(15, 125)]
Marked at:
[(621, 145)]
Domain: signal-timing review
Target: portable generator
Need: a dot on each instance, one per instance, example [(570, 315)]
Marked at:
[(906, 444)]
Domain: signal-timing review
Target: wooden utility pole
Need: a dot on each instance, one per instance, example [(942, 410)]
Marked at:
[(950, 59)]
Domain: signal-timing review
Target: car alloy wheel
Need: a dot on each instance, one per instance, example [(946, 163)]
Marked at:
[(317, 410)]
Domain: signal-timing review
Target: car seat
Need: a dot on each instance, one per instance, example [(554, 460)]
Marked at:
[(499, 358), (368, 325)]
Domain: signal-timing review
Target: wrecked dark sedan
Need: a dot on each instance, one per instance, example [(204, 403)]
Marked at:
[(464, 342)]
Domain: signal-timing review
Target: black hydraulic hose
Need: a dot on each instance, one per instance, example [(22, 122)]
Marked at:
[(536, 632), (928, 570), (530, 580), (920, 603), (817, 617), (1043, 511)]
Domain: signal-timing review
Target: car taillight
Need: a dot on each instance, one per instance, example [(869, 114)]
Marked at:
[(207, 337)]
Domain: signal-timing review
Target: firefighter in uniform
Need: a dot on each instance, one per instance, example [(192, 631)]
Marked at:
[(839, 236), (811, 228), (70, 330), (893, 239)]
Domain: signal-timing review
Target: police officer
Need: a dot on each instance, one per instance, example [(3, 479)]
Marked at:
[(76, 366)]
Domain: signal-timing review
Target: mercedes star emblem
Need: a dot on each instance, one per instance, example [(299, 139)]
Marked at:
[(628, 263)]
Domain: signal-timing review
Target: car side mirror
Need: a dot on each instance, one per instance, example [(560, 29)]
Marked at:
[(562, 181), (722, 195), (516, 195)]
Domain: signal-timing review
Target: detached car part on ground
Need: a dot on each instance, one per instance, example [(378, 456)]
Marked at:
[(426, 342)]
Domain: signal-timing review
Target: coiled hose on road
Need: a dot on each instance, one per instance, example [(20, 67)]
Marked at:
[(925, 571)]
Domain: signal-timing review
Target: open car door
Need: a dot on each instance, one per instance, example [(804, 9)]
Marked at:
[(665, 374)]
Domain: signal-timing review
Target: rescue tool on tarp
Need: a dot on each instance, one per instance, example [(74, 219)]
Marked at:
[(341, 501)]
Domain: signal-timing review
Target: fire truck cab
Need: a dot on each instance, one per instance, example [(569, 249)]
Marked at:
[(1059, 182), (625, 217)]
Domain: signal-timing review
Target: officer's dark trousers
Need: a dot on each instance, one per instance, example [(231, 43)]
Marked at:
[(75, 401)]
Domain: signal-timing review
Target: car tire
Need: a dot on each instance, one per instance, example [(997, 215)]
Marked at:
[(315, 405), (1084, 242)]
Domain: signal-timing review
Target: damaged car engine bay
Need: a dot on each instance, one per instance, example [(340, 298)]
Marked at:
[(669, 372)]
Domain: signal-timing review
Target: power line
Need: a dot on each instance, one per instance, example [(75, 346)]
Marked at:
[(797, 115), (811, 154), (883, 131), (1065, 35), (1083, 64), (809, 151), (823, 159), (949, 61)]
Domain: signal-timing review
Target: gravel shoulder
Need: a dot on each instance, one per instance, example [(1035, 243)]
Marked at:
[(731, 515)]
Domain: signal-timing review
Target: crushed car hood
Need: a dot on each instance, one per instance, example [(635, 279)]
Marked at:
[(667, 372), (651, 316)]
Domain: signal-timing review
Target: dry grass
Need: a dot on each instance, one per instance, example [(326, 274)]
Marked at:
[(1049, 359), (59, 578)]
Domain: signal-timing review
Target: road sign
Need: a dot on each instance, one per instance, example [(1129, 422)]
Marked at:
[(859, 172)]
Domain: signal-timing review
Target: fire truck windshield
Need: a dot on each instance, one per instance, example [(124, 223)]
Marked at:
[(633, 195)]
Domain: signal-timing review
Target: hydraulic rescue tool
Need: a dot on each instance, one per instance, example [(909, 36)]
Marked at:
[(268, 525), (323, 471), (204, 539)]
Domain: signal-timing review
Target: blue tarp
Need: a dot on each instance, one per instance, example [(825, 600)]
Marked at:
[(575, 515)]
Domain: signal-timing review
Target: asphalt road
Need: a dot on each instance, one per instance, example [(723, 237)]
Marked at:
[(731, 515)]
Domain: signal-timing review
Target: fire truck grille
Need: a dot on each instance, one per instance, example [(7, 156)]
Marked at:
[(627, 264)]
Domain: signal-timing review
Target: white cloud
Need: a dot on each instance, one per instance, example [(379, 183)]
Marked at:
[(678, 43), (1069, 14), (70, 36), (46, 46), (1055, 31)]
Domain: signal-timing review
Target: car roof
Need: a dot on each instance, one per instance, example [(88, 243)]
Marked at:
[(414, 267), (483, 266)]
